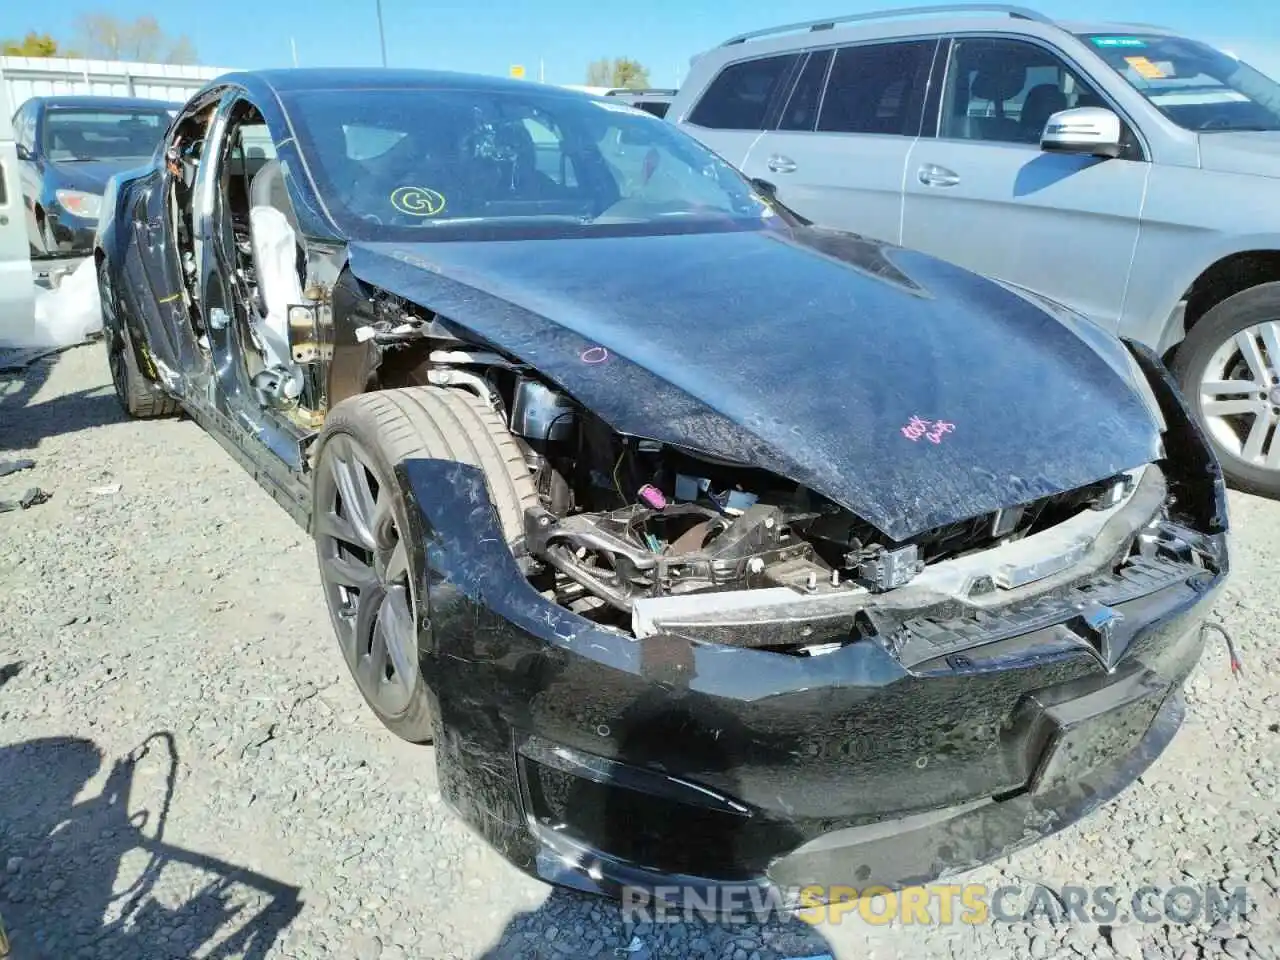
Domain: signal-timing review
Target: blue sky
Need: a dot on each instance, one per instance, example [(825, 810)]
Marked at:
[(487, 36)]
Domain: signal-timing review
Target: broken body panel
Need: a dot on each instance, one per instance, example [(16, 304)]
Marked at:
[(850, 566)]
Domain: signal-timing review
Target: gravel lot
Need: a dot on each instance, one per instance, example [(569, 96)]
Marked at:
[(186, 771)]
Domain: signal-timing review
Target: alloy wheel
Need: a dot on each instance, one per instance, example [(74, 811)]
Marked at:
[(1240, 395), (364, 565)]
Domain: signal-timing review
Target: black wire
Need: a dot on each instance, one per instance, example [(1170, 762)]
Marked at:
[(551, 427), (1236, 666)]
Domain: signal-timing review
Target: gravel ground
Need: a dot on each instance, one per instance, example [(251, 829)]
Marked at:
[(186, 771)]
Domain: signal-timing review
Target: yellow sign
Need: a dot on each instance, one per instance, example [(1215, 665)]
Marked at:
[(1145, 68), (517, 71)]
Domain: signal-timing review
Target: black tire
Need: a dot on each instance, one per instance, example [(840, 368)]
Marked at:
[(1255, 305), (138, 397), (381, 429)]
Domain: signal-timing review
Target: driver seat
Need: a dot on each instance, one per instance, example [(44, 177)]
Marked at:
[(273, 232)]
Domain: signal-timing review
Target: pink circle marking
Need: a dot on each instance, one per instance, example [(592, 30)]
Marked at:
[(595, 355)]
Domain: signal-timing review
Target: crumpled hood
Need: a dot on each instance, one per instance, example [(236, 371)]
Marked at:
[(1255, 153), (808, 355)]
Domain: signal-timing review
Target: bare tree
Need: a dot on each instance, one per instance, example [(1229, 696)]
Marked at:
[(620, 72), (110, 38), (600, 73)]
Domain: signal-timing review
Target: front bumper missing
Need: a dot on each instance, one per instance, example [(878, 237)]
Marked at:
[(598, 760)]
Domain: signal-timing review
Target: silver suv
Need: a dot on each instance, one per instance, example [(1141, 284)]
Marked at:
[(1123, 170)]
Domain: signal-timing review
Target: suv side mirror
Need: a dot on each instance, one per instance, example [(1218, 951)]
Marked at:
[(1089, 131), (24, 153)]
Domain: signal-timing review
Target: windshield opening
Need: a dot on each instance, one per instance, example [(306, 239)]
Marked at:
[(420, 163), (78, 134), (1191, 83)]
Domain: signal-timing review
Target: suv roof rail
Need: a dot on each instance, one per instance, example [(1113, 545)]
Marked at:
[(827, 23), (642, 91)]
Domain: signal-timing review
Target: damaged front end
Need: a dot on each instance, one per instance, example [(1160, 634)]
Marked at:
[(697, 669)]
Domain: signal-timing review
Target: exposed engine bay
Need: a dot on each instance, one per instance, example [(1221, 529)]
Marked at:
[(622, 520)]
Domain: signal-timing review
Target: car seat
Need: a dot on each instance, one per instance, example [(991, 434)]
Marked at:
[(273, 231), (1042, 102)]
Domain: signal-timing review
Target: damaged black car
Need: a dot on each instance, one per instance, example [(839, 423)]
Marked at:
[(706, 546)]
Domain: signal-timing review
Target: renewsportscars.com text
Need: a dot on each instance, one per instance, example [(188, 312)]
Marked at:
[(936, 904)]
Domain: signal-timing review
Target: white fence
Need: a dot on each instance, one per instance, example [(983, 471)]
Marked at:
[(26, 77)]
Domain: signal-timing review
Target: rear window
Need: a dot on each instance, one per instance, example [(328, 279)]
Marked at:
[(78, 134), (878, 88), (740, 97)]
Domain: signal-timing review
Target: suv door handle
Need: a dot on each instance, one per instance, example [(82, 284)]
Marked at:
[(932, 175), (780, 164)]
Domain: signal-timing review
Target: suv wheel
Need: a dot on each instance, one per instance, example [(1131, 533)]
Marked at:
[(1229, 369)]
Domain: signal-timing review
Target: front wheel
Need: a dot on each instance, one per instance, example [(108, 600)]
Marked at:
[(1229, 370), (360, 520)]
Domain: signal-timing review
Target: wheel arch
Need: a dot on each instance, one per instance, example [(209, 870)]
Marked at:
[(1224, 278)]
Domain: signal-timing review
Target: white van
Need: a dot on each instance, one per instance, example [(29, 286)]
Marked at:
[(17, 295)]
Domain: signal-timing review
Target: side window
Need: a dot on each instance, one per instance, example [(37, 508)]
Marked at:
[(550, 157), (24, 126), (740, 97), (366, 143), (801, 111), (1004, 91), (878, 88)]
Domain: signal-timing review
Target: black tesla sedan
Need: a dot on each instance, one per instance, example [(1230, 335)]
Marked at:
[(703, 544), (67, 149)]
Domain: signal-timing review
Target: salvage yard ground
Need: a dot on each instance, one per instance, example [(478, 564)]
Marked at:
[(186, 769)]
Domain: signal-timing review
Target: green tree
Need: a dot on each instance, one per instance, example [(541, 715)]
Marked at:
[(619, 72), (110, 38), (34, 45)]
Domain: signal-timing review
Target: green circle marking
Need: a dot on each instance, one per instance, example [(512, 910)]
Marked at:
[(417, 201)]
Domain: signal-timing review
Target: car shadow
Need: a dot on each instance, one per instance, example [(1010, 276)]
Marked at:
[(1048, 169), (88, 872), (573, 924), (24, 423)]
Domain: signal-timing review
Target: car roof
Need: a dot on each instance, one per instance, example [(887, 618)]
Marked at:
[(296, 80), (103, 102)]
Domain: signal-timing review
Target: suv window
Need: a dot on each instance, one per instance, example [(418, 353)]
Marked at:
[(801, 112), (878, 88), (1004, 91), (740, 97)]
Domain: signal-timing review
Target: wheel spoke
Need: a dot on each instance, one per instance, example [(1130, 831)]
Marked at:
[(351, 477), (1257, 437), (367, 617), (1226, 408), (1248, 346), (1270, 333), (397, 564), (382, 521), (349, 573), (1273, 456), (1228, 388), (373, 667), (395, 625), (330, 524)]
